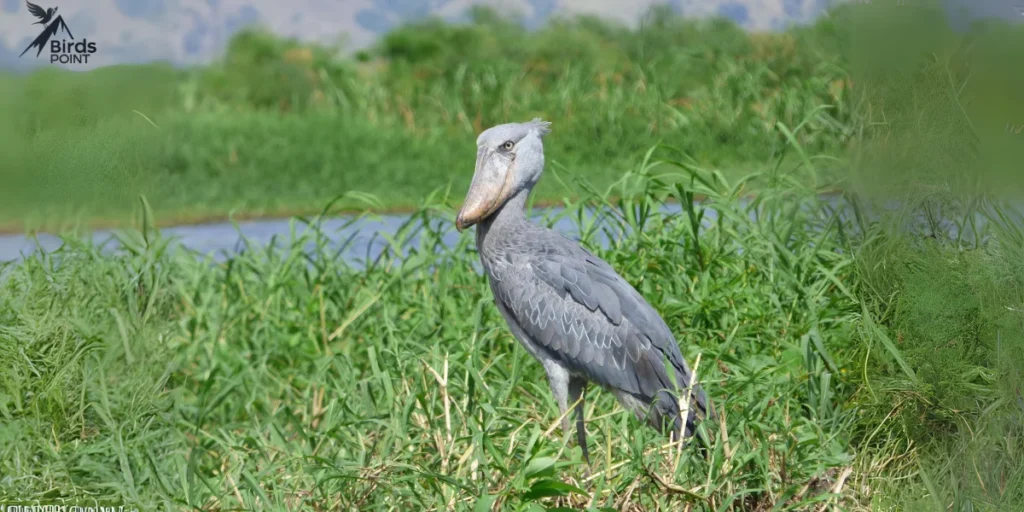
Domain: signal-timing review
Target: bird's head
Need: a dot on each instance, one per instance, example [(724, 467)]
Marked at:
[(509, 158)]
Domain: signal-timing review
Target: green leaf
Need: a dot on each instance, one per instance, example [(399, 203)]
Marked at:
[(485, 503), (819, 345), (791, 359), (547, 488), (540, 467), (888, 344)]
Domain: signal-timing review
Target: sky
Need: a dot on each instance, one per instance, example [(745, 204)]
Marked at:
[(196, 31)]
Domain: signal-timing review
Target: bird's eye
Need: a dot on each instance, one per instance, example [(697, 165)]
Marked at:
[(507, 146)]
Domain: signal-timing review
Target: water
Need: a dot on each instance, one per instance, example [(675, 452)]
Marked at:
[(357, 239)]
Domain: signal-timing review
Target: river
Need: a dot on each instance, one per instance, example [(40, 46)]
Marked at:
[(358, 238)]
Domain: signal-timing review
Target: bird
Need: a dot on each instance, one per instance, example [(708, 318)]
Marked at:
[(568, 308), (44, 16)]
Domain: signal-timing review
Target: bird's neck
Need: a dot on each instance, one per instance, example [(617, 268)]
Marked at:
[(509, 216)]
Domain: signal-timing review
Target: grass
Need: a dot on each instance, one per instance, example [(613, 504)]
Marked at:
[(851, 364), (278, 127), (865, 362)]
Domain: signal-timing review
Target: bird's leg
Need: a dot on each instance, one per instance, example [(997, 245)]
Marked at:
[(567, 390), (558, 379), (577, 388), (561, 385)]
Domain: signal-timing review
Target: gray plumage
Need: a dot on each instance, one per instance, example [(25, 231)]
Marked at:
[(567, 307)]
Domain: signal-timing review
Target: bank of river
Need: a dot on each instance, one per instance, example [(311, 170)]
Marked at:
[(357, 238)]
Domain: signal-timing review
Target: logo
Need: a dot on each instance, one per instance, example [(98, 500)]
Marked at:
[(61, 50)]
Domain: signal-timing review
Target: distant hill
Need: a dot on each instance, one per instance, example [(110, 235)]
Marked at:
[(185, 31)]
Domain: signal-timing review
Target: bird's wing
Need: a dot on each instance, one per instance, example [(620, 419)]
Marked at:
[(36, 11), (575, 306)]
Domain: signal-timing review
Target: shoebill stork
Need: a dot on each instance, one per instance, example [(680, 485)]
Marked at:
[(567, 307)]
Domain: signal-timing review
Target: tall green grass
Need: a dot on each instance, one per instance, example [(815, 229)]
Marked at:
[(275, 126), (279, 127), (867, 363), (850, 363)]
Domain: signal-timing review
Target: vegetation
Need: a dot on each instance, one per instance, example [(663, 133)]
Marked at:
[(279, 127), (850, 364), (858, 357)]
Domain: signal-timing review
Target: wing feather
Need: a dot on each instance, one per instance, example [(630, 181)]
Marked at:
[(36, 11), (573, 307), (588, 317)]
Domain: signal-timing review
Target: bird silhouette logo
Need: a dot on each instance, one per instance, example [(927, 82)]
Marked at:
[(52, 23), (44, 17)]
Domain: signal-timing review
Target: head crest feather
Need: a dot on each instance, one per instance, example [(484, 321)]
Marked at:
[(543, 127)]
